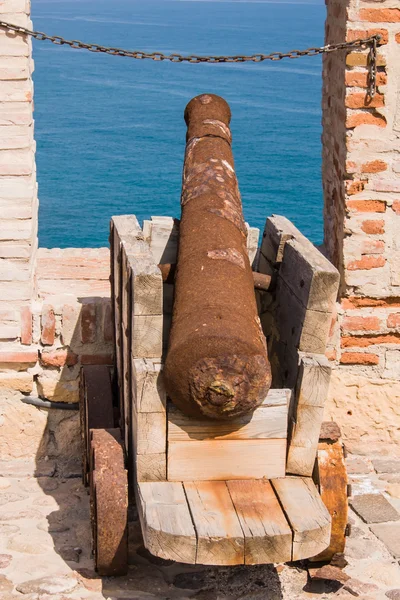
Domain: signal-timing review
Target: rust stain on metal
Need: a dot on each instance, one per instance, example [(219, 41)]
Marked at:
[(332, 481), (229, 254), (217, 363), (109, 502)]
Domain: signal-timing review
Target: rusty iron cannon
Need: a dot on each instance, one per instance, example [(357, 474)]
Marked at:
[(217, 362), (187, 309)]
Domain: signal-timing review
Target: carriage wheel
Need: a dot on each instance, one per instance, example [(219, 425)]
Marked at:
[(330, 476), (109, 502)]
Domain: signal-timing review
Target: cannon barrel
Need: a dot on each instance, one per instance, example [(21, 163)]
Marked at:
[(217, 364)]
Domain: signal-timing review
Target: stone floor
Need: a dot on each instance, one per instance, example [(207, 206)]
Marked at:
[(45, 548)]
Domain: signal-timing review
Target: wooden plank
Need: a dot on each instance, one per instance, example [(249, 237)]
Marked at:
[(253, 236), (311, 393), (298, 327), (126, 338), (219, 534), (164, 239), (306, 513), (147, 333), (263, 423), (151, 467), (278, 230), (310, 276), (147, 285), (267, 535), (149, 433), (167, 526), (148, 390), (202, 460)]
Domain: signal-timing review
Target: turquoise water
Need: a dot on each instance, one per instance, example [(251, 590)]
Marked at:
[(110, 131)]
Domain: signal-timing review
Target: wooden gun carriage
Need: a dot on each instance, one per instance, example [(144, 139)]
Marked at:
[(227, 473), (265, 488)]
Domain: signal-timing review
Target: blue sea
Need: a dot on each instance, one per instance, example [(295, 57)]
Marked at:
[(110, 131)]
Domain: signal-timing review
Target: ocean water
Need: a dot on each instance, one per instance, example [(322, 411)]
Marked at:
[(110, 131)]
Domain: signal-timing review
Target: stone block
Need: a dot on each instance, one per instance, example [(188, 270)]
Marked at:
[(386, 465), (16, 91), (389, 534), (12, 44), (57, 389), (20, 382), (16, 162), (13, 6), (392, 365), (16, 113), (14, 68), (374, 508)]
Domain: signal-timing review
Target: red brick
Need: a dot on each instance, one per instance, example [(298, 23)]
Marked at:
[(108, 325), (58, 358), (48, 321), (361, 324), (361, 100), (364, 118), (373, 227), (360, 79), (351, 166), (356, 34), (26, 326), (88, 323), (354, 187), (331, 354), (366, 263), (28, 357), (380, 15), (375, 166), (361, 302), (394, 321), (97, 359), (364, 341), (372, 247), (398, 38), (376, 206), (396, 207), (359, 358)]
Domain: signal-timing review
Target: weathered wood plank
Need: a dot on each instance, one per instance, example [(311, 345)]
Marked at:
[(311, 393), (267, 535), (162, 234), (166, 522), (219, 534), (149, 433), (147, 285), (151, 467), (306, 513), (263, 423), (147, 336), (202, 460), (310, 276), (253, 236), (148, 390), (300, 328), (278, 230)]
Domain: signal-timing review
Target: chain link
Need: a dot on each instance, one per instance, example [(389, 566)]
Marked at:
[(370, 42)]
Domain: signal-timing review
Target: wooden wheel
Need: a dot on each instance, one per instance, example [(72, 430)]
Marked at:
[(331, 478), (109, 502)]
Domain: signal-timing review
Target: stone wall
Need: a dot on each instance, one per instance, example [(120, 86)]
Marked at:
[(361, 174)]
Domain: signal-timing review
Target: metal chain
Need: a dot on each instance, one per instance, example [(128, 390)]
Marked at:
[(370, 42)]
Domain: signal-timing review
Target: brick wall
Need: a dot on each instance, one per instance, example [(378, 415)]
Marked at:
[(361, 176), (362, 186), (18, 193)]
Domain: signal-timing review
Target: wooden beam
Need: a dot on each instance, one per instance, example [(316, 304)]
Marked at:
[(306, 514), (219, 534), (311, 393), (167, 526), (270, 420), (202, 460), (267, 535)]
